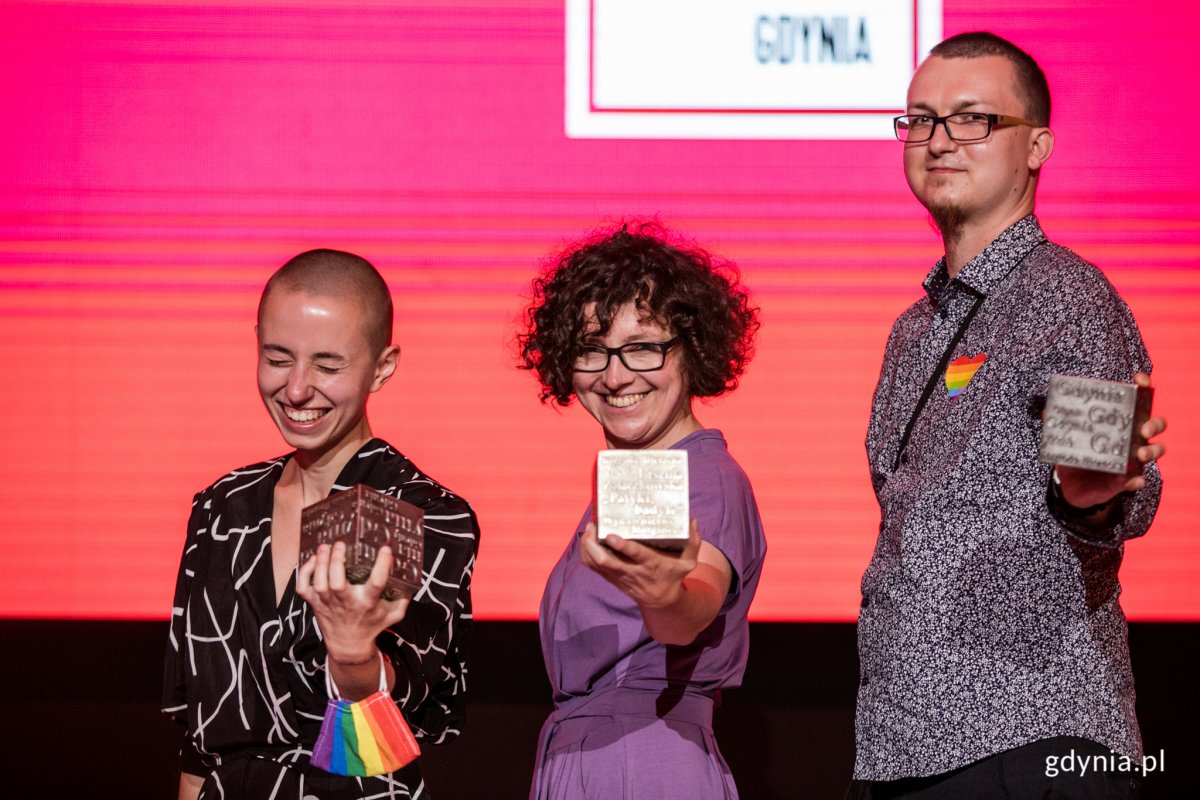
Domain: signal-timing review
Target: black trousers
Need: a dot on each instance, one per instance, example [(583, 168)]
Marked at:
[(1062, 768)]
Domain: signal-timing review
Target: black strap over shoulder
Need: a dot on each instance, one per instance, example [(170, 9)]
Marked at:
[(938, 371)]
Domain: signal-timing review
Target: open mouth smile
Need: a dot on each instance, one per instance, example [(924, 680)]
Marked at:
[(624, 400), (304, 416)]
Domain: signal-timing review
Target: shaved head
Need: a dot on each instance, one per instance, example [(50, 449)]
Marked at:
[(1031, 87), (335, 273)]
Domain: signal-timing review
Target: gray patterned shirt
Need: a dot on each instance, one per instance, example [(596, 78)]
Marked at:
[(985, 624)]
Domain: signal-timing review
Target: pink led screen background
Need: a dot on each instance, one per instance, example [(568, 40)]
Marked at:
[(160, 160)]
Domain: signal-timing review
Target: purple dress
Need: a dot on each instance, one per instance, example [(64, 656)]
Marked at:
[(633, 717)]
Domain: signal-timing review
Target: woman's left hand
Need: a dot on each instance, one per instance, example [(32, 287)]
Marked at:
[(679, 594), (652, 578), (350, 615)]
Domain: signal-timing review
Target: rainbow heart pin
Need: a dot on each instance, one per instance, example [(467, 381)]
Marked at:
[(960, 372)]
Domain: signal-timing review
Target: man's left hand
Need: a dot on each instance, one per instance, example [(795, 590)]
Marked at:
[(1084, 487)]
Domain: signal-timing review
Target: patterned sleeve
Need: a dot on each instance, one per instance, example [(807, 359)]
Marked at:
[(428, 648), (174, 699), (1095, 336), (883, 390)]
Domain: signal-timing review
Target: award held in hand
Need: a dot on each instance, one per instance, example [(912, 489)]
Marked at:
[(1094, 424), (643, 495), (366, 520)]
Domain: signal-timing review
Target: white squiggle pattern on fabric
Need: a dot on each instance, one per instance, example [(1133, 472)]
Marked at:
[(245, 673)]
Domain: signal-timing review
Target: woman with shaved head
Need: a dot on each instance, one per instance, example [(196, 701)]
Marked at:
[(259, 642)]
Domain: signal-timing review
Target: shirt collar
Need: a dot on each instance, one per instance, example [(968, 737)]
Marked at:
[(985, 271)]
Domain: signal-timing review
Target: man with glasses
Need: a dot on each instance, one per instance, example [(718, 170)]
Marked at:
[(990, 634)]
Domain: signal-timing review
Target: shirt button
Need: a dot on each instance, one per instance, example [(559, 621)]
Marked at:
[(904, 457), (866, 601), (865, 680)]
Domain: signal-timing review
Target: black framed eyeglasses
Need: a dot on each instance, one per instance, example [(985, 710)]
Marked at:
[(636, 356), (967, 126)]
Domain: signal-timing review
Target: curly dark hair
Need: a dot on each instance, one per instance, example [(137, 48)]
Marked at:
[(696, 297)]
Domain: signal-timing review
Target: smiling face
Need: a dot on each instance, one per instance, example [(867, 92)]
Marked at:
[(637, 410), (988, 184), (316, 370)]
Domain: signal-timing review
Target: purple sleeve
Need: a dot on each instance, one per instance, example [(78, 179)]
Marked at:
[(722, 501)]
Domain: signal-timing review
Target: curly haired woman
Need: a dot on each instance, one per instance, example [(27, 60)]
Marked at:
[(639, 642)]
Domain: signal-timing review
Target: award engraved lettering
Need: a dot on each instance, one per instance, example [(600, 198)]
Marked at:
[(366, 520), (643, 495), (1094, 424)]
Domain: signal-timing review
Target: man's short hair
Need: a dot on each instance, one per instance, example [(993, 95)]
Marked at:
[(1032, 87), (335, 273)]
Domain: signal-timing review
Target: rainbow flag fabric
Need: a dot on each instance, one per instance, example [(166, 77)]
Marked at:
[(960, 371), (364, 738)]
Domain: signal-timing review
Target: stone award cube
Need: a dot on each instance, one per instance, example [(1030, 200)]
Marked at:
[(1094, 424), (643, 495), (366, 520)]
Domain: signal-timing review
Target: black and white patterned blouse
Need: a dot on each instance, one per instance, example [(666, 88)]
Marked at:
[(247, 677), (985, 624)]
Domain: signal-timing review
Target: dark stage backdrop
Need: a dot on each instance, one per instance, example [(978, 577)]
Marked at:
[(159, 160), (81, 703)]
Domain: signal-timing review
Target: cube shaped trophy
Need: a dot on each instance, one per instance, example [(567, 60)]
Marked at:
[(643, 495), (1094, 424), (366, 520)]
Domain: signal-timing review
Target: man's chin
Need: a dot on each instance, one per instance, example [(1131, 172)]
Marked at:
[(948, 220)]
